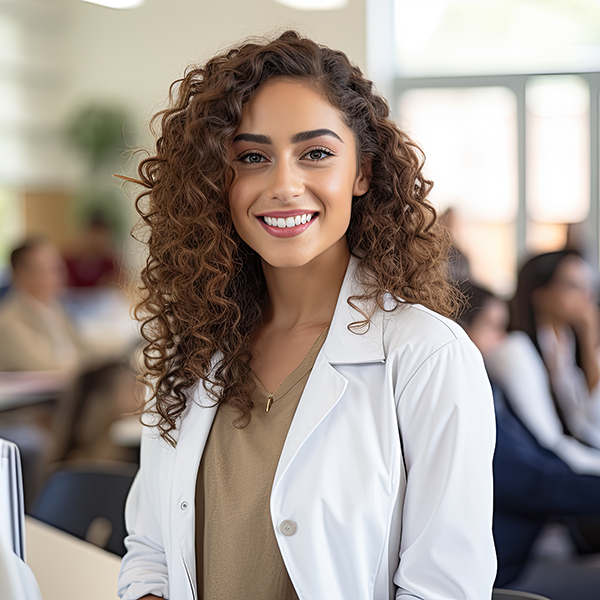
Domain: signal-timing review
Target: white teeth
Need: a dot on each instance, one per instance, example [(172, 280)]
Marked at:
[(289, 221)]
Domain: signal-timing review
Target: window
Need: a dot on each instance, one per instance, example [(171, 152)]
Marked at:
[(469, 138), (467, 37), (503, 96)]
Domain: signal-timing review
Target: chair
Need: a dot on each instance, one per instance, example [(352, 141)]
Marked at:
[(88, 501), (515, 595)]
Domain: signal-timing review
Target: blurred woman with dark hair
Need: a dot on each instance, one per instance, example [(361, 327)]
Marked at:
[(548, 366), (320, 430)]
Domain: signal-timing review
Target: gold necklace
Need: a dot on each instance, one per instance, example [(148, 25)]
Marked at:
[(270, 398)]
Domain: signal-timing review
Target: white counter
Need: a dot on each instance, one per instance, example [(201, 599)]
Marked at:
[(67, 568)]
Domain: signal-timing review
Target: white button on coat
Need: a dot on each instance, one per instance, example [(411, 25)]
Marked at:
[(288, 527)]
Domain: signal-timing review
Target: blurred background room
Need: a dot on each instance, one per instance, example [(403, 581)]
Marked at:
[(503, 96)]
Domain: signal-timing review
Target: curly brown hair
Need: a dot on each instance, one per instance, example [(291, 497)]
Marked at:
[(203, 287)]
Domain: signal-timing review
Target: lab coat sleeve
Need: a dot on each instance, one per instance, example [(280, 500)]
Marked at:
[(144, 566), (446, 419)]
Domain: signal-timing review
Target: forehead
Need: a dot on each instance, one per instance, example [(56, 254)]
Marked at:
[(289, 106)]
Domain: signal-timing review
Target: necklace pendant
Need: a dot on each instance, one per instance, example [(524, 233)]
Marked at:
[(269, 402)]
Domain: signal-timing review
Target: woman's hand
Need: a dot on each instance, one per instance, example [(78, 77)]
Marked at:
[(586, 322)]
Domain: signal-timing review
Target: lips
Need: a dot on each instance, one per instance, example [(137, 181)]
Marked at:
[(287, 224)]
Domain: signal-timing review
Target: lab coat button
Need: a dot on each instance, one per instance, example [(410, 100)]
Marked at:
[(184, 505), (288, 527)]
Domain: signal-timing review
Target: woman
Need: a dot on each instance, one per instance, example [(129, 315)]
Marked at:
[(318, 433), (548, 365)]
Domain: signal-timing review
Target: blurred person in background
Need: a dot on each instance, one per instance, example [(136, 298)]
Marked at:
[(94, 260), (549, 363), (35, 332), (532, 485), (460, 269)]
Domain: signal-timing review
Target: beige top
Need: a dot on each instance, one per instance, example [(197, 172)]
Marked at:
[(237, 555)]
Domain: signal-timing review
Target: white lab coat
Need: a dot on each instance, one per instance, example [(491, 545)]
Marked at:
[(385, 474)]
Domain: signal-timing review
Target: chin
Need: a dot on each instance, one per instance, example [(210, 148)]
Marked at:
[(280, 262)]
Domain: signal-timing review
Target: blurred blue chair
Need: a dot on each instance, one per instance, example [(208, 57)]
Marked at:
[(88, 501), (4, 289)]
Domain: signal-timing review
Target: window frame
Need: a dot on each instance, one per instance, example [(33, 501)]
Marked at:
[(517, 83)]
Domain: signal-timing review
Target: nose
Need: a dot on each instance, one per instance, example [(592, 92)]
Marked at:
[(285, 181)]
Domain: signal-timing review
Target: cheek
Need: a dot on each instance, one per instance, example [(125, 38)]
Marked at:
[(239, 201), (335, 190)]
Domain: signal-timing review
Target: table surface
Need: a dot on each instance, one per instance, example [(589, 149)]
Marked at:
[(21, 388), (67, 568)]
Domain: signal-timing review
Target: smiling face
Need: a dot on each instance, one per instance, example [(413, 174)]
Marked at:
[(295, 175)]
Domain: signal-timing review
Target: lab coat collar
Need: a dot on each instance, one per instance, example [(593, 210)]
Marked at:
[(344, 346), (326, 386)]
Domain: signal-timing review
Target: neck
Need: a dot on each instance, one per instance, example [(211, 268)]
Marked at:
[(306, 295)]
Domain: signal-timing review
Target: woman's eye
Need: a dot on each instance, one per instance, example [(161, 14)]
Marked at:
[(252, 158), (318, 154)]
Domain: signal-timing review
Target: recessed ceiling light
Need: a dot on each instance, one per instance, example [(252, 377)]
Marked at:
[(314, 4), (119, 4)]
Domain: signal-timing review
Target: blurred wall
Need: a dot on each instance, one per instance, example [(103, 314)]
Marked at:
[(133, 56), (57, 56)]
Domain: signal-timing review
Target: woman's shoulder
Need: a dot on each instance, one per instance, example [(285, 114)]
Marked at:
[(421, 332), (417, 321), (516, 354), (518, 346)]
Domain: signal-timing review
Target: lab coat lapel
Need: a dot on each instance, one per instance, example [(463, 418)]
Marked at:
[(326, 386)]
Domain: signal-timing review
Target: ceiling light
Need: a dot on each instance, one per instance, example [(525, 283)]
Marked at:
[(119, 4), (314, 4)]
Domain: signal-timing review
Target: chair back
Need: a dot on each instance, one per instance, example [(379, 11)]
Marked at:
[(515, 595), (88, 501)]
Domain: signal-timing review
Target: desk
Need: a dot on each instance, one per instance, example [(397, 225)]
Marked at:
[(67, 568), (22, 388)]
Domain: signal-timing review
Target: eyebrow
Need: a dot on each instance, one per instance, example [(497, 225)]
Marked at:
[(303, 136)]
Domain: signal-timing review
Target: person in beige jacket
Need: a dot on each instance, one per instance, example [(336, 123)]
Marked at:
[(35, 331)]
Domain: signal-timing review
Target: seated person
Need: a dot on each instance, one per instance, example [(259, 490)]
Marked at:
[(532, 484), (35, 332), (94, 261), (548, 364)]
